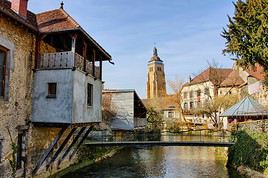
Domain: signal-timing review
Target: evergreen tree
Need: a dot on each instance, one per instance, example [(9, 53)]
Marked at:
[(247, 33)]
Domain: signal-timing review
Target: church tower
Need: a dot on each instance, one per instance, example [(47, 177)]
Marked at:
[(156, 82)]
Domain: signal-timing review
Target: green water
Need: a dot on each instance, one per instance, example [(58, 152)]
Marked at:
[(158, 162)]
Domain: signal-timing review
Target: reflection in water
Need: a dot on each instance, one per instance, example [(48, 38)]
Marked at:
[(158, 162)]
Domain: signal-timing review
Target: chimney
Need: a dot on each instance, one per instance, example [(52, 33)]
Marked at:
[(190, 78), (20, 7)]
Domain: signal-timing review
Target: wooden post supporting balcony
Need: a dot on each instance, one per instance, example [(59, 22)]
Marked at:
[(73, 42), (70, 146), (93, 63), (85, 56), (49, 150), (37, 50), (81, 141), (100, 68), (54, 157)]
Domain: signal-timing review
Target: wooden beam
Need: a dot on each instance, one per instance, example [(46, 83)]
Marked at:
[(54, 157), (48, 151), (81, 141), (100, 68), (71, 145), (93, 63), (37, 52), (74, 36), (85, 56)]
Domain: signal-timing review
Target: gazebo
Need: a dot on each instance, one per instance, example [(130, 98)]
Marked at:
[(246, 109)]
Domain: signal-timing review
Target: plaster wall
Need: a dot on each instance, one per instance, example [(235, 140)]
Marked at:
[(194, 88), (70, 105), (82, 113), (53, 110), (123, 105)]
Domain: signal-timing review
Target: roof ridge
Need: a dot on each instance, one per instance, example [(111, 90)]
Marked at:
[(69, 16), (40, 13)]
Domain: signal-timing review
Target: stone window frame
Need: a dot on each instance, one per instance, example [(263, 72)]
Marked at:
[(7, 44)]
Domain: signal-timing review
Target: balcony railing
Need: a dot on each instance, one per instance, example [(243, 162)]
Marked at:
[(65, 60)]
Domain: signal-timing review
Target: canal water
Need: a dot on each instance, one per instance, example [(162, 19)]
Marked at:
[(162, 162)]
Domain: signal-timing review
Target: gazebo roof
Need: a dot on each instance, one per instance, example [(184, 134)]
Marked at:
[(246, 107)]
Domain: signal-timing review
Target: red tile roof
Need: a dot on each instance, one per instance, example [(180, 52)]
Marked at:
[(233, 79), (55, 20), (215, 75), (257, 72), (59, 20)]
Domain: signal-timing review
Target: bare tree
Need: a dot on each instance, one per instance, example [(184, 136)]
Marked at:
[(176, 87)]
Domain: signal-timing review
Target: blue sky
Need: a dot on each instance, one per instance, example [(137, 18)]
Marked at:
[(186, 33)]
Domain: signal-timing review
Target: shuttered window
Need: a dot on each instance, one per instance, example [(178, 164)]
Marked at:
[(3, 55)]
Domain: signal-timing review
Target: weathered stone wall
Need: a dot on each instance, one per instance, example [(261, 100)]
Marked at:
[(255, 126), (15, 109), (46, 48), (39, 139)]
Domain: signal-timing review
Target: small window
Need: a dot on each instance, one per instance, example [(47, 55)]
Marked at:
[(191, 94), (185, 106), (207, 92), (185, 95), (198, 93), (151, 69), (191, 105), (170, 114), (52, 90), (89, 94)]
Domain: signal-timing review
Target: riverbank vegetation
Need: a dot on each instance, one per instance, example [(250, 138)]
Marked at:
[(250, 150)]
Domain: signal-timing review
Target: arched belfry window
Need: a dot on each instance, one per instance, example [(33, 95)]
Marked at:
[(3, 70)]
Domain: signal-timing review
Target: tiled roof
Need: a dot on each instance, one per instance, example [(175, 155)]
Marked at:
[(215, 75), (233, 79), (257, 71), (30, 21), (55, 20), (59, 20)]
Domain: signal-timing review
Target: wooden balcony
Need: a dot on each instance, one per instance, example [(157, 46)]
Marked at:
[(67, 60)]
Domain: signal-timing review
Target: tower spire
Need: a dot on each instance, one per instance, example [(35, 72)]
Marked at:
[(155, 52)]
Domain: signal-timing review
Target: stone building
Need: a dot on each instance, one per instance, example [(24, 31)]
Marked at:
[(17, 59), (50, 88), (214, 82), (156, 82)]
